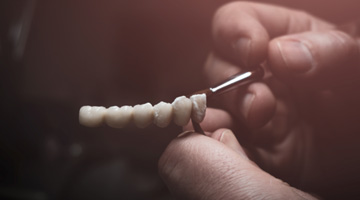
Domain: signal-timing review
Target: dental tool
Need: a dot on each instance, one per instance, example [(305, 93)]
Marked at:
[(233, 82)]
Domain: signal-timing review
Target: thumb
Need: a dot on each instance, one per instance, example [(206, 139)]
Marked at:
[(195, 166), (315, 59)]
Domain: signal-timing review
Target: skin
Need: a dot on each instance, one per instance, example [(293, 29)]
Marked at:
[(299, 128)]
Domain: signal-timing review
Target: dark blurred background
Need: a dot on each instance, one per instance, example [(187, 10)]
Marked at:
[(56, 56)]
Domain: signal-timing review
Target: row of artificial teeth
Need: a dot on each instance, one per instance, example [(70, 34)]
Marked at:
[(180, 111)]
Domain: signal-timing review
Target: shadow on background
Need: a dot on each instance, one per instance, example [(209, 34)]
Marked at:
[(58, 56)]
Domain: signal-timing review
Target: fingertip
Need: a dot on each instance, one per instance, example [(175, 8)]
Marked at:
[(314, 59), (259, 46), (258, 105), (233, 38), (250, 51), (227, 137), (290, 57), (275, 59), (217, 135), (185, 133), (215, 119)]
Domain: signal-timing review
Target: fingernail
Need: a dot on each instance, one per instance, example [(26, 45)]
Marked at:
[(242, 49), (246, 104), (184, 133), (224, 137), (228, 138), (296, 55)]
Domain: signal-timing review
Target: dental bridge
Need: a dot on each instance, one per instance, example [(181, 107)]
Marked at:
[(181, 110)]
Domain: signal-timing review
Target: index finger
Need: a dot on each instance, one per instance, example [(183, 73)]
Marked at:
[(242, 30)]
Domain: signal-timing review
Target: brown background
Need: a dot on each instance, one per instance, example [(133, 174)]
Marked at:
[(109, 52)]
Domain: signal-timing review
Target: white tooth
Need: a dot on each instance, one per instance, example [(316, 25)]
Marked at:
[(143, 115), (92, 116), (118, 117), (182, 110), (198, 107), (163, 113)]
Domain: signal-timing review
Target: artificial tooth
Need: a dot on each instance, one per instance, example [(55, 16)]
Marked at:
[(119, 117), (182, 110), (92, 116), (163, 113), (198, 107), (143, 115)]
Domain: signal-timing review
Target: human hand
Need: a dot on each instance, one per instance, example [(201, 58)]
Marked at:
[(195, 166), (301, 123)]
